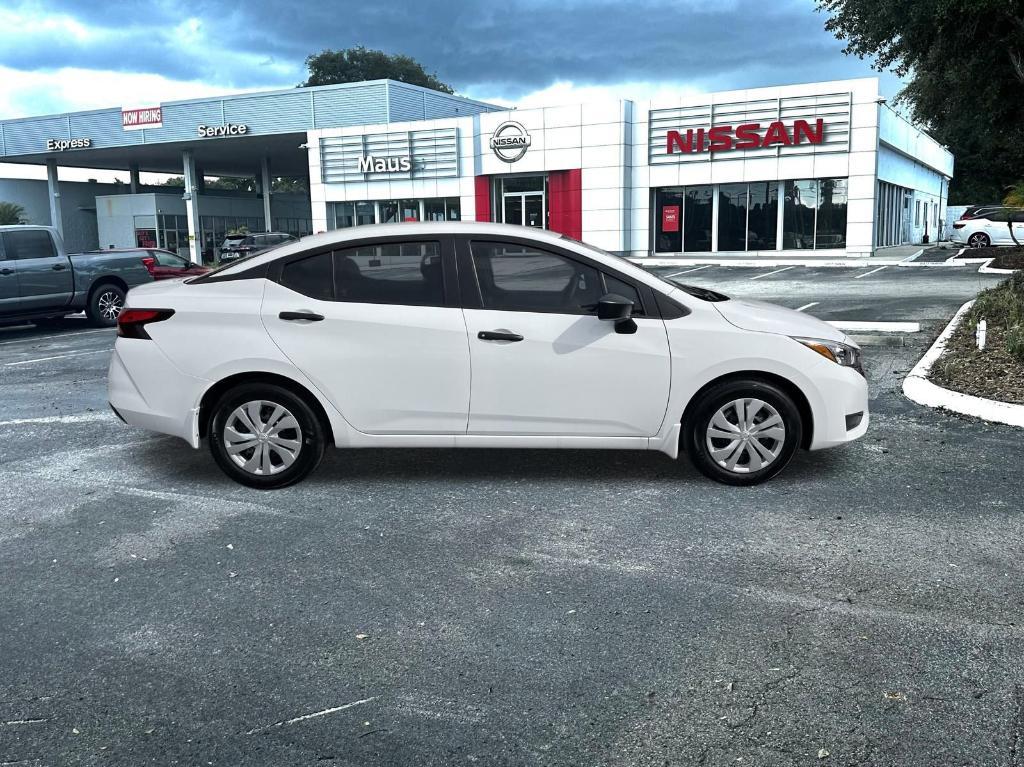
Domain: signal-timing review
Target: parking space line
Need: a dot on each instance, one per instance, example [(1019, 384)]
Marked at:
[(48, 338), (56, 357), (858, 276), (808, 306), (687, 271), (769, 274)]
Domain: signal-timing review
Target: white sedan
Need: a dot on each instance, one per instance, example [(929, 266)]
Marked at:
[(475, 335), (992, 228)]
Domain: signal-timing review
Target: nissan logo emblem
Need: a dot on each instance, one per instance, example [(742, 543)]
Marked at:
[(510, 141)]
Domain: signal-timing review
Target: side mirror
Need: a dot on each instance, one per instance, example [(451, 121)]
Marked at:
[(614, 308), (618, 309)]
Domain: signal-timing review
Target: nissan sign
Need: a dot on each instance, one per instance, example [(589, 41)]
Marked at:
[(510, 141)]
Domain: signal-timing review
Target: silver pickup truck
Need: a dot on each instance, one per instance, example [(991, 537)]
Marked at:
[(40, 282)]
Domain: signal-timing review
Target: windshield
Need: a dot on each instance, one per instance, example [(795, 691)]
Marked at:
[(704, 294)]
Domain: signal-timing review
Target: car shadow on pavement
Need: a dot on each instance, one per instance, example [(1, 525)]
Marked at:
[(467, 464)]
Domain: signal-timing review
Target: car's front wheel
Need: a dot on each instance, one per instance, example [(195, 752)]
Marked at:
[(265, 436), (979, 240), (743, 432)]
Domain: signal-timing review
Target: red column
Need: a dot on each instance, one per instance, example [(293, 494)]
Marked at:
[(565, 202), (482, 188)]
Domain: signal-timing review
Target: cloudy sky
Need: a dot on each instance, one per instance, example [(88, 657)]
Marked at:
[(65, 55)]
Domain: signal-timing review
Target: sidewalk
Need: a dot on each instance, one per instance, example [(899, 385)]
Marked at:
[(904, 255)]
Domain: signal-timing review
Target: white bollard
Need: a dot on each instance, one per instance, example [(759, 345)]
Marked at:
[(979, 334)]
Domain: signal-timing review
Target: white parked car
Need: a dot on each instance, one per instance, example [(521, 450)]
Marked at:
[(475, 335), (992, 228)]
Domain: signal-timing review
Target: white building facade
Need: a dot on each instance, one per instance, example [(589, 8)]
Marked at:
[(819, 169)]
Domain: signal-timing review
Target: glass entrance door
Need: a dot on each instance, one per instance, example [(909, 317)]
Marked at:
[(523, 201)]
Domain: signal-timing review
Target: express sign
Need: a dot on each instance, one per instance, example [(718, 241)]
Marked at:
[(724, 138)]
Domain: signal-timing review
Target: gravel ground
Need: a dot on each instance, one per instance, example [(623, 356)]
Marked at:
[(503, 607)]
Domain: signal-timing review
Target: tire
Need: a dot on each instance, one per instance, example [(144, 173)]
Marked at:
[(979, 240), (302, 440), (754, 459), (105, 305)]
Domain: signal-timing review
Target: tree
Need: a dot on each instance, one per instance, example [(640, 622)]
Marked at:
[(10, 213), (964, 65), (352, 65), (1015, 199)]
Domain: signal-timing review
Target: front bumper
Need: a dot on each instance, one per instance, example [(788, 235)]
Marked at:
[(844, 394)]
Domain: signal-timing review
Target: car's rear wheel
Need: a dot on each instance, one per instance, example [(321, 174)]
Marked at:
[(979, 240), (105, 305), (743, 432), (265, 436)]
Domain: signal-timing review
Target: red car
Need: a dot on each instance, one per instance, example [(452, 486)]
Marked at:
[(162, 264)]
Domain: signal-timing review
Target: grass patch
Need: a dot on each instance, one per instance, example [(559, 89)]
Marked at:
[(998, 371)]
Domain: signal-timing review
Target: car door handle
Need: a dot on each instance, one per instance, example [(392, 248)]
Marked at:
[(59, 267), (5, 270), (498, 335), (307, 316)]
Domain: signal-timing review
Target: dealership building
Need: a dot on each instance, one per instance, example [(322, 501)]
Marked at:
[(817, 169)]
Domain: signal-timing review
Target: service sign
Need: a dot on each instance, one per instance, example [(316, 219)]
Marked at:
[(144, 117), (215, 131), (64, 144)]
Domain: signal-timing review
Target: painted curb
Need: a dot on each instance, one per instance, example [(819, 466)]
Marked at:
[(917, 387), (986, 269)]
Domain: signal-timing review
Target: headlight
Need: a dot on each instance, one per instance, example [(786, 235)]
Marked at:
[(841, 354)]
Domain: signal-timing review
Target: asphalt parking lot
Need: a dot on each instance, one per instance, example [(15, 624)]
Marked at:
[(514, 607)]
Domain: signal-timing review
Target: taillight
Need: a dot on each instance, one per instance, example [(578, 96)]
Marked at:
[(958, 225), (131, 323), (149, 262)]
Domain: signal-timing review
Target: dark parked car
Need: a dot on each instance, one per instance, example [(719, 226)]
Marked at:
[(241, 245), (39, 281), (980, 211)]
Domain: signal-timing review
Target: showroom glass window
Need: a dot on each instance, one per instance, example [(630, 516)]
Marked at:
[(697, 216), (798, 215), (763, 215), (407, 273), (732, 217), (830, 231), (668, 225)]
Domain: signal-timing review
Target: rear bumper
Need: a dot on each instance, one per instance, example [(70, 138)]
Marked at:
[(169, 408)]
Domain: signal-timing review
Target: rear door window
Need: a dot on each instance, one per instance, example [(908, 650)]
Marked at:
[(406, 274), (27, 244)]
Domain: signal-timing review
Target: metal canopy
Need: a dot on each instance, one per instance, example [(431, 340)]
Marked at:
[(228, 156)]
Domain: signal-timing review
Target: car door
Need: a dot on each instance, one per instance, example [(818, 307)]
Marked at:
[(996, 228), (377, 328), (45, 279), (10, 296), (543, 363)]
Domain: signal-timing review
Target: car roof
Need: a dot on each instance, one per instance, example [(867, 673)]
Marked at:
[(338, 237)]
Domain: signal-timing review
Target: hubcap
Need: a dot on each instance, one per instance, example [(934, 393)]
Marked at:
[(745, 435), (110, 305), (977, 241), (262, 437)]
